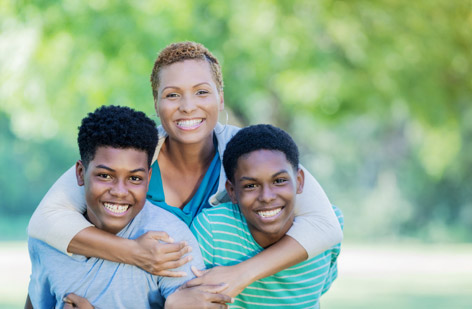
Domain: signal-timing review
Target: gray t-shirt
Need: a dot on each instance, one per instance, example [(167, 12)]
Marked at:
[(107, 284)]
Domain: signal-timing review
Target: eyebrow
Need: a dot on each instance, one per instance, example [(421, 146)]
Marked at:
[(175, 87), (273, 175), (112, 170)]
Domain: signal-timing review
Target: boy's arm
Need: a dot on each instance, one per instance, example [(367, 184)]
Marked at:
[(28, 304), (315, 230), (39, 288), (59, 221)]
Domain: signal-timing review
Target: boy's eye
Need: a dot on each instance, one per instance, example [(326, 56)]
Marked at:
[(250, 186), (135, 178), (280, 180), (104, 176)]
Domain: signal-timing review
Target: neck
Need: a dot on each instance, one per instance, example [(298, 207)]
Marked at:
[(266, 239), (189, 156)]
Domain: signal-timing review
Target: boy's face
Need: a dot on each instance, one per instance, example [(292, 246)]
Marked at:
[(264, 186), (116, 182)]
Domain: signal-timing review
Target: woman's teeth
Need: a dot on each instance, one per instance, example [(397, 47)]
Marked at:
[(116, 208), (269, 213), (189, 123)]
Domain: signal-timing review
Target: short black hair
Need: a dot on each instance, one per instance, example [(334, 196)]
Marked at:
[(257, 137), (117, 127)]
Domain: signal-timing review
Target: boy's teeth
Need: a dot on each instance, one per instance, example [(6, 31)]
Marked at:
[(116, 208), (269, 213), (189, 123)]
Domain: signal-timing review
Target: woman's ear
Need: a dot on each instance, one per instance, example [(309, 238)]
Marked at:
[(222, 101), (80, 172), (300, 180), (231, 192)]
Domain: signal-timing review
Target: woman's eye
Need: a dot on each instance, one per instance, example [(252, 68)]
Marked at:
[(202, 92), (171, 95)]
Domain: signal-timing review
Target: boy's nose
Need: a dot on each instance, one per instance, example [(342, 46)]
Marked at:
[(266, 194), (119, 189)]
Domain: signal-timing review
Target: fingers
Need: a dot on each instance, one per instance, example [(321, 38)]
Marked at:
[(192, 283), (220, 299), (165, 268), (198, 273), (159, 235), (74, 301), (175, 251)]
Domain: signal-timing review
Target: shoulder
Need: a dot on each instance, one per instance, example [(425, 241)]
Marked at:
[(225, 132), (155, 218), (227, 210), (339, 215)]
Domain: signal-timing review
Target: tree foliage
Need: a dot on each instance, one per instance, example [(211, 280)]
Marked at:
[(377, 93)]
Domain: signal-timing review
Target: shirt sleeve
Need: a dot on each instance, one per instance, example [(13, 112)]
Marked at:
[(201, 228), (58, 218), (315, 227), (39, 289), (333, 269)]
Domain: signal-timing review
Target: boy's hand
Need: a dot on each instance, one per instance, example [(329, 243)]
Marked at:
[(235, 279), (156, 253), (201, 296), (73, 301)]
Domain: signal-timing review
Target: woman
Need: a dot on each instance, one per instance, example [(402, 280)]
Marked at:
[(187, 176)]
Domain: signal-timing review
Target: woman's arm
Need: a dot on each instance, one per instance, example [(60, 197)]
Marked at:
[(316, 226), (59, 221), (283, 254), (58, 217)]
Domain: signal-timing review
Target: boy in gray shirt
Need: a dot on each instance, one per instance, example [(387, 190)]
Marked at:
[(116, 148)]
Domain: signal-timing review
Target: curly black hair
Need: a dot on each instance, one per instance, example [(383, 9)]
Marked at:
[(257, 137), (118, 127)]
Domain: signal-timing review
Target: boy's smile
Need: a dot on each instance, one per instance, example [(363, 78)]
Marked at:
[(116, 182), (265, 186)]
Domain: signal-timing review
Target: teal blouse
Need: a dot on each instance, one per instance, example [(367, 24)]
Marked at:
[(199, 201)]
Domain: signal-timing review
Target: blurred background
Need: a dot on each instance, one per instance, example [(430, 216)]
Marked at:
[(377, 95)]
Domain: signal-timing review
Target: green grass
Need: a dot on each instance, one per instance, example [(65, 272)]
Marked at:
[(370, 276)]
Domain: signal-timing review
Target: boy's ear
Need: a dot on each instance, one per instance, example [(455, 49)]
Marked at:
[(149, 177), (230, 189), (80, 172), (300, 180)]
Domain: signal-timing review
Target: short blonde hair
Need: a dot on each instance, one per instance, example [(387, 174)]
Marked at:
[(181, 51)]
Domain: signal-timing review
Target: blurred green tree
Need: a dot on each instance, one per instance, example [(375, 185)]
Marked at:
[(377, 94)]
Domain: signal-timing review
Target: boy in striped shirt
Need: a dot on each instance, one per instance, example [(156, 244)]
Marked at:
[(261, 163)]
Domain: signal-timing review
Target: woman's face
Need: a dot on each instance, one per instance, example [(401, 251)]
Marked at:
[(188, 101)]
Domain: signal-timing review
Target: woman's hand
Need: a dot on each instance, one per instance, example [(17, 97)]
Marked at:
[(73, 301), (157, 257), (234, 276), (200, 296)]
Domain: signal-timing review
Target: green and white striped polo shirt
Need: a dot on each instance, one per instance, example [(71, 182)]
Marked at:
[(225, 240)]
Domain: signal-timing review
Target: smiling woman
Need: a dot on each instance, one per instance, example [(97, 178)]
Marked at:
[(187, 177)]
